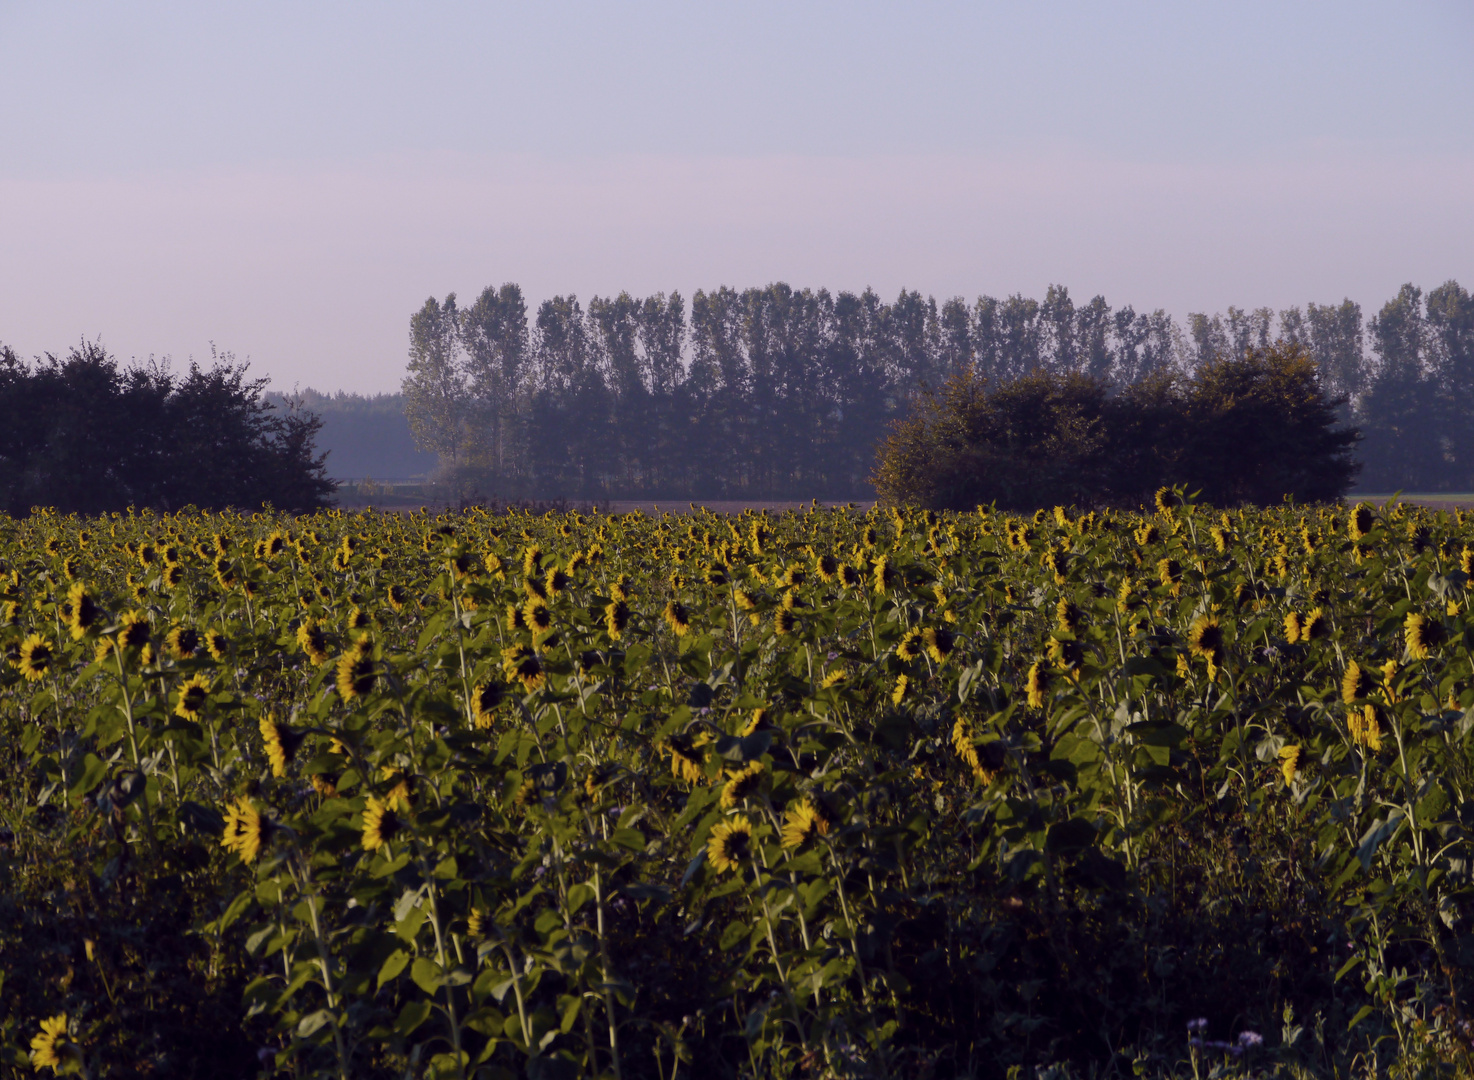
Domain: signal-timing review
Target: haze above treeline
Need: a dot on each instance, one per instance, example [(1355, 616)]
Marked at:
[(777, 392)]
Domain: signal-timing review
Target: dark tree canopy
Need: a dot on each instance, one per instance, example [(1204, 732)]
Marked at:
[(1255, 429), (84, 435)]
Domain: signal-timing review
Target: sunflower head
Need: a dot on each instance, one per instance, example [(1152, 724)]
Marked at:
[(312, 641), (216, 645), (802, 821), (1037, 684), (83, 612), (1289, 763), (616, 619), (192, 697), (939, 642), (741, 784), (1355, 684), (1423, 635), (281, 743), (134, 631), (729, 846), (357, 671), (784, 622), (1360, 521), (245, 830), (35, 658), (521, 662), (1205, 639), (53, 1049), (182, 642), (485, 698), (381, 823)]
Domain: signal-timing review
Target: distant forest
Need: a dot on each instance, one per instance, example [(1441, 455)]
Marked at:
[(784, 393), (365, 436)]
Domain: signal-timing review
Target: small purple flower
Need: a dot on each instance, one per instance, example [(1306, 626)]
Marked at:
[(1250, 1038), (834, 656), (1200, 1024)]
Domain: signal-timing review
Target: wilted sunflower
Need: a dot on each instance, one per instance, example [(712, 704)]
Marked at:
[(281, 743), (520, 662), (356, 670), (192, 697), (35, 658), (1289, 763), (485, 697), (52, 1049), (312, 641), (245, 831), (730, 844), (802, 822), (380, 823), (1355, 684), (939, 642), (83, 611), (741, 784), (134, 631)]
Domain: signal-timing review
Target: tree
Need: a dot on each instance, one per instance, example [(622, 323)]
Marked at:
[(85, 436), (436, 398)]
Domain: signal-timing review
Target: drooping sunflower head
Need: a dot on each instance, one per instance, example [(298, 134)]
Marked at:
[(741, 784), (245, 830), (192, 697), (685, 759), (35, 658), (729, 846)]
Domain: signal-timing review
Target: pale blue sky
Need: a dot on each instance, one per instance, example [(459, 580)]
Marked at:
[(292, 180)]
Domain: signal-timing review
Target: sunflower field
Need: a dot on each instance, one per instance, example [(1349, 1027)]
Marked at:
[(826, 794)]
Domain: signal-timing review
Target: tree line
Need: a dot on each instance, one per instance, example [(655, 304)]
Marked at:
[(86, 435), (779, 392)]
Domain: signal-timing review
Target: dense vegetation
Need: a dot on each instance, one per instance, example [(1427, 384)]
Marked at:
[(1251, 429), (82, 434), (778, 393), (831, 794)]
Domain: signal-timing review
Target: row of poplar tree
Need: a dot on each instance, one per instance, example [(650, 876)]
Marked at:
[(780, 393)]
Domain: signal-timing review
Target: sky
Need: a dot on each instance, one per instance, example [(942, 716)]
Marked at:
[(290, 181)]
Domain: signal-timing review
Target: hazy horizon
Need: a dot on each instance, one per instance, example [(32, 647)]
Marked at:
[(291, 183)]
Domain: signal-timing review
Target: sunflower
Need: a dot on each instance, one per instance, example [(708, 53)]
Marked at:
[(380, 823), (1169, 571), (1147, 535), (730, 844), (899, 693), (616, 619), (173, 576), (939, 642), (886, 576), (1355, 684), (834, 677), (35, 658), (215, 644), (485, 697), (1289, 763), (1362, 724), (281, 743), (515, 620), (182, 642), (827, 567), (1315, 626), (741, 784), (849, 577), (532, 561), (134, 631), (520, 662), (356, 670), (784, 622), (84, 612), (325, 784), (1423, 635), (1069, 655), (802, 822), (192, 697), (1293, 627), (1205, 640), (313, 641), (358, 619), (397, 596), (1360, 521), (536, 616), (1167, 501), (245, 831), (1037, 685), (53, 1049), (909, 647), (1067, 616), (558, 582)]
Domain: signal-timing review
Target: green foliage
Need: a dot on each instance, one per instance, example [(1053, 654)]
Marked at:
[(83, 435), (1255, 429), (831, 794)]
